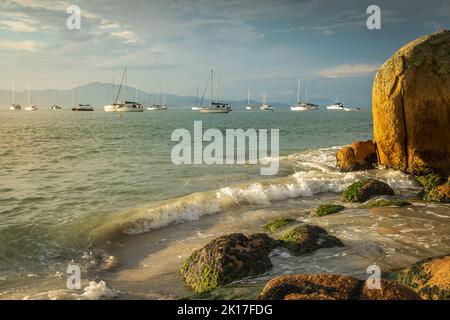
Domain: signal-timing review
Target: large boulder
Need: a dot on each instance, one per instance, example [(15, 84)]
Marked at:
[(331, 287), (430, 278), (411, 106), (360, 155), (363, 190), (226, 259), (307, 238)]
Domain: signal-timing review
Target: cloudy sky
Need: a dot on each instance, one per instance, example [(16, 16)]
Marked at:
[(253, 44)]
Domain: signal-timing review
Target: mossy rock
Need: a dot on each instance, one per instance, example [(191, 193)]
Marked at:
[(435, 188), (331, 287), (326, 209), (226, 259), (385, 202), (430, 278), (278, 223), (363, 190), (430, 181), (307, 238)]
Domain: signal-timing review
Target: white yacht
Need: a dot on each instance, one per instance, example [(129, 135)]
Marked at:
[(158, 106), (351, 109), (55, 106), (303, 106), (124, 105), (30, 107), (265, 106), (249, 103), (214, 106), (337, 105), (80, 106), (14, 106)]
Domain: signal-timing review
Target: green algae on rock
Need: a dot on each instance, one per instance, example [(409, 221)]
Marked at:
[(278, 223), (226, 259), (363, 190), (435, 188), (307, 238), (326, 209), (385, 201)]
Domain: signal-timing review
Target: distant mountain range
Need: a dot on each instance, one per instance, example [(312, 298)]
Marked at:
[(98, 94)]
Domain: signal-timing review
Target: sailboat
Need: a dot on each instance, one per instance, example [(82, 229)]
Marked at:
[(30, 107), (123, 106), (14, 106), (214, 106), (80, 107), (351, 109), (303, 106), (249, 103), (55, 106), (265, 106), (196, 103), (337, 105), (160, 106)]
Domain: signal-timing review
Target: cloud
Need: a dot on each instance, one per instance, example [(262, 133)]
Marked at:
[(127, 36), (27, 45), (349, 70)]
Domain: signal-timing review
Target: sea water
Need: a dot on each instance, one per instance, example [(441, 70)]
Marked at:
[(74, 182)]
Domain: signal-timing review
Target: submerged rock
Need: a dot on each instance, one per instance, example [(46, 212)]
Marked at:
[(363, 190), (430, 278), (385, 201), (226, 259), (331, 287), (326, 209), (435, 188), (278, 223), (307, 238), (411, 109), (360, 155)]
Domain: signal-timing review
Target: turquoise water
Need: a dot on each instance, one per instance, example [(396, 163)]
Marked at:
[(64, 174)]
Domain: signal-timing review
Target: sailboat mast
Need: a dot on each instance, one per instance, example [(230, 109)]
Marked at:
[(248, 97), (72, 99), (164, 101), (264, 96), (136, 95), (160, 93), (114, 87), (29, 95), (13, 93), (212, 88), (306, 93), (125, 89), (79, 85), (298, 91), (196, 100)]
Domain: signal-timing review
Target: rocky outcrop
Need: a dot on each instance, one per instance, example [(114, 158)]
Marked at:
[(430, 278), (435, 188), (226, 259), (360, 155), (363, 190), (411, 107), (331, 287), (307, 238)]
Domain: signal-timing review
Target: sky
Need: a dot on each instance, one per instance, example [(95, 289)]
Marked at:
[(254, 44)]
